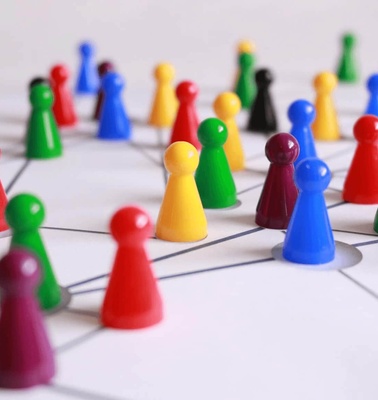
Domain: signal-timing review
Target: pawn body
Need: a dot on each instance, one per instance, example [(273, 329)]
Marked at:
[(88, 81), (63, 107), (114, 123), (347, 70), (132, 299), (213, 176), (279, 193), (360, 184), (372, 86), (102, 69), (26, 356), (246, 86), (181, 216), (325, 126), (309, 237)]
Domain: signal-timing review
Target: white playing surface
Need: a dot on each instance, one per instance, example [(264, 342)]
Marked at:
[(238, 325)]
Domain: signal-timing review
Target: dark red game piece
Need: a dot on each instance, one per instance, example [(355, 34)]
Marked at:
[(38, 80), (63, 107), (360, 185), (279, 193), (26, 357), (103, 68), (132, 299), (186, 123)]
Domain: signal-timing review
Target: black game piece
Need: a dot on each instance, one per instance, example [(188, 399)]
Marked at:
[(262, 117), (37, 81)]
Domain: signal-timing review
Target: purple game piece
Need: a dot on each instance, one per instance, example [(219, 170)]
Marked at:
[(103, 69), (26, 357), (279, 193)]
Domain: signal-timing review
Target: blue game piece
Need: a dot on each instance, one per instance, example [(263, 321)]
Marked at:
[(309, 237), (301, 114), (88, 81), (114, 123), (372, 86)]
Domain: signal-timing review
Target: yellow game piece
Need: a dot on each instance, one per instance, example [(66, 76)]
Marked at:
[(246, 46), (325, 126), (181, 217), (164, 105), (226, 106)]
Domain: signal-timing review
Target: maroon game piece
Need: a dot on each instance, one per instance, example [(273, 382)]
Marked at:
[(103, 69), (63, 107), (26, 358), (132, 299), (186, 123), (279, 193)]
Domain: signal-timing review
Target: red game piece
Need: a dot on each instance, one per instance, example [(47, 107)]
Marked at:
[(186, 123), (103, 69), (132, 299), (360, 185), (63, 107), (3, 204), (26, 358), (279, 193)]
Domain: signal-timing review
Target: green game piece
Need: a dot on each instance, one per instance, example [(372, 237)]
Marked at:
[(25, 214), (246, 85), (43, 139), (347, 69), (213, 176)]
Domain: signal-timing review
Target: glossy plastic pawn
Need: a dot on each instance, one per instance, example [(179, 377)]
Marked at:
[(309, 237), (102, 69), (26, 356), (63, 107), (301, 114), (360, 184), (114, 122), (347, 70), (42, 138), (25, 214), (372, 86), (132, 299), (279, 193), (214, 179), (246, 85), (181, 216), (186, 123), (88, 81)]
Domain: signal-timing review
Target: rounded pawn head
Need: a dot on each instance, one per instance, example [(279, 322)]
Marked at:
[(325, 82), (38, 80), (246, 46), (164, 72), (41, 96), (372, 83), (301, 112), (112, 82), (86, 49), (59, 73), (312, 175), (130, 225), (245, 60), (24, 212), (186, 92), (349, 40), (181, 158), (365, 129), (105, 67), (19, 272), (282, 148), (227, 105), (212, 132), (264, 77)]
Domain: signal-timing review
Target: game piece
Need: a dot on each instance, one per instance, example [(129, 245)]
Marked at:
[(88, 81), (114, 123), (37, 81), (347, 68), (245, 86), (325, 126), (213, 176), (279, 193), (164, 105), (372, 85), (181, 216), (309, 236), (132, 299), (262, 116), (186, 122), (360, 184), (244, 46), (63, 107), (301, 114), (226, 107), (25, 214), (42, 137), (26, 357), (102, 69)]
